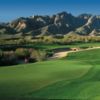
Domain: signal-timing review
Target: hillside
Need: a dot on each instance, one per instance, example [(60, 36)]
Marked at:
[(57, 24)]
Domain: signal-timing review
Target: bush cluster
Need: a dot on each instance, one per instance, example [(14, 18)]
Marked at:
[(21, 55)]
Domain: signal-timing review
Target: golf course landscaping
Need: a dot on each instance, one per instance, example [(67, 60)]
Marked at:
[(74, 77)]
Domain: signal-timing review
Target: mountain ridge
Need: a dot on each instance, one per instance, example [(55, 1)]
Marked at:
[(60, 23)]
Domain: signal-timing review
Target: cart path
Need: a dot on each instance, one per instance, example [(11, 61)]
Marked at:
[(62, 54)]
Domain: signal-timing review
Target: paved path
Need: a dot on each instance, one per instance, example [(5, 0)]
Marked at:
[(62, 54)]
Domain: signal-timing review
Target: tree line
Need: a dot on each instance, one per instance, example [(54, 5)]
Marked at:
[(22, 55)]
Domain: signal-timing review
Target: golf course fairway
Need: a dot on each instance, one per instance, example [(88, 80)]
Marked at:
[(75, 77)]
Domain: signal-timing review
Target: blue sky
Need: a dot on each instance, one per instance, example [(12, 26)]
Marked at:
[(11, 9)]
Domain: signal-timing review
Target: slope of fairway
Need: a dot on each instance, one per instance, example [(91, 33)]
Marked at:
[(89, 56), (21, 80), (86, 87), (75, 77)]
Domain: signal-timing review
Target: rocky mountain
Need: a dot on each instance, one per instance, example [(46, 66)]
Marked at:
[(6, 29), (92, 24), (61, 23)]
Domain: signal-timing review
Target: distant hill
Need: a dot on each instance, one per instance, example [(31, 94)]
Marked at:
[(58, 24)]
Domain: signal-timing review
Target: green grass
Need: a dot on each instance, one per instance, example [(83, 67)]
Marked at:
[(75, 77), (90, 56), (42, 46), (55, 46), (86, 87)]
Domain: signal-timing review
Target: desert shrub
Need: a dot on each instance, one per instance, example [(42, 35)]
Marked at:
[(21, 41), (8, 58), (38, 55), (84, 47), (35, 55), (48, 40), (1, 53), (49, 53), (43, 55), (22, 53)]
